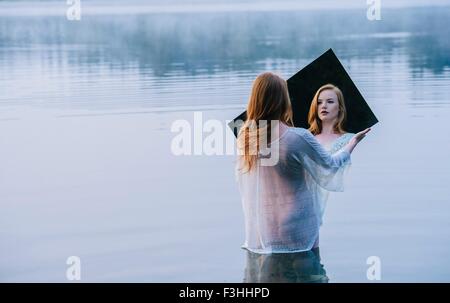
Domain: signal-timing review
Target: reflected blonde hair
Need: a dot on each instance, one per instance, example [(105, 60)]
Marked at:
[(269, 100), (315, 124)]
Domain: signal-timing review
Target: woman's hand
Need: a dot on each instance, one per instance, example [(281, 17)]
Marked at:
[(356, 139)]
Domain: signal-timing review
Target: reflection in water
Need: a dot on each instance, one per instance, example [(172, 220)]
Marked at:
[(301, 267)]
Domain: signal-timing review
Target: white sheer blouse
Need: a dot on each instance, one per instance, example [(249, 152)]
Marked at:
[(280, 209), (320, 193)]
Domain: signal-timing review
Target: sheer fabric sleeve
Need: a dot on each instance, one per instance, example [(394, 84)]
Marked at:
[(325, 169)]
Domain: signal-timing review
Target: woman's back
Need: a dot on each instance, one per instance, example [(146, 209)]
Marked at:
[(278, 207)]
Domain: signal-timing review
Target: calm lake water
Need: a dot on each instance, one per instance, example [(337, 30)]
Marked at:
[(86, 167)]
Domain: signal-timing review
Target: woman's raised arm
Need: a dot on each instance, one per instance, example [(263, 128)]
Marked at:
[(327, 170)]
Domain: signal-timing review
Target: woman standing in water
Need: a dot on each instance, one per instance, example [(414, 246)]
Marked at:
[(280, 215), (280, 209), (326, 118)]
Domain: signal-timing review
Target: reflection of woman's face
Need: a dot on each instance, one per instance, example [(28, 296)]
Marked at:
[(327, 105)]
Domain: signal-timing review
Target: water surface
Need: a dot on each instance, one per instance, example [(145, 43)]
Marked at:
[(86, 168)]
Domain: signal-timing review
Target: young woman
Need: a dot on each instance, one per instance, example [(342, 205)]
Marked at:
[(327, 115), (326, 118), (280, 215)]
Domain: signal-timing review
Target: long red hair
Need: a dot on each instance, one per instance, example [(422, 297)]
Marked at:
[(269, 100)]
